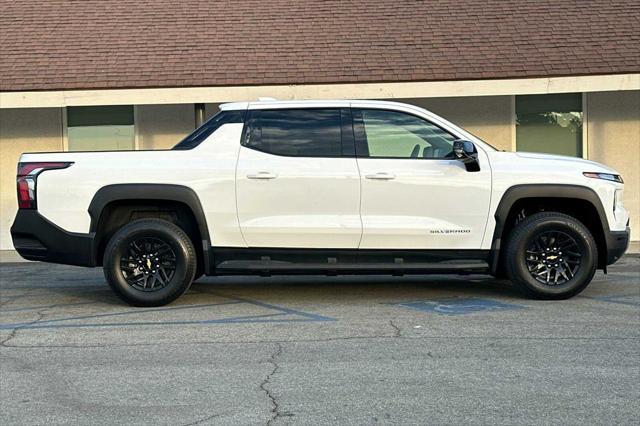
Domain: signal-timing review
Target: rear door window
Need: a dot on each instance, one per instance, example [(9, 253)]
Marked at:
[(296, 132)]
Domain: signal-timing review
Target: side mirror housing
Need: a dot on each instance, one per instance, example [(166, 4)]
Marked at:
[(466, 152)]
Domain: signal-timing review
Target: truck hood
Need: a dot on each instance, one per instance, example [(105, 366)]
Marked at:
[(563, 160)]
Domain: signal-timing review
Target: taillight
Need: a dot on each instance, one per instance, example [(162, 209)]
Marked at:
[(27, 179)]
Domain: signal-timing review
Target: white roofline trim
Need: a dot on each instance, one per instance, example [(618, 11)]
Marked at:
[(405, 90)]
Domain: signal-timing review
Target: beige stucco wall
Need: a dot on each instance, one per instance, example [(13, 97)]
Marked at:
[(488, 117), (613, 138), (162, 126), (22, 130)]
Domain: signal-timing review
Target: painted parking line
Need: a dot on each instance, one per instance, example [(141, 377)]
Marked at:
[(458, 306), (53, 305), (310, 316), (279, 314)]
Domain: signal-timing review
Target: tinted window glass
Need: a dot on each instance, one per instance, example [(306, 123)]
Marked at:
[(550, 123), (393, 134), (296, 132), (204, 131), (100, 128)]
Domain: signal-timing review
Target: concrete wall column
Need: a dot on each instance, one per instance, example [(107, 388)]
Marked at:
[(613, 138), (162, 126), (23, 130)]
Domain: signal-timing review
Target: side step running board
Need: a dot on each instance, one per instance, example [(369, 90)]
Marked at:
[(279, 267)]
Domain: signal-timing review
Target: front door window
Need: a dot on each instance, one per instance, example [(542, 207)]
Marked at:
[(393, 134)]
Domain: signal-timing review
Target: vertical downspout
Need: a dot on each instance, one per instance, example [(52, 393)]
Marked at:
[(199, 114), (585, 125)]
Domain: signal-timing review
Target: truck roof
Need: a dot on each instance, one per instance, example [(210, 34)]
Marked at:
[(328, 103)]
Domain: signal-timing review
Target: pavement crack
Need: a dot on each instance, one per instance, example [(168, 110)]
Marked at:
[(12, 335), (275, 410), (200, 421), (396, 330)]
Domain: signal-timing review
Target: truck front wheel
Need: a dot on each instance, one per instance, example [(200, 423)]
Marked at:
[(551, 256), (149, 262)]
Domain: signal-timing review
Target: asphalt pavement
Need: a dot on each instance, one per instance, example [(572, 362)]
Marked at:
[(318, 350)]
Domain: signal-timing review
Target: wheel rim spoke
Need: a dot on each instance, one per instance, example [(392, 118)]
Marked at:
[(150, 264), (553, 257)]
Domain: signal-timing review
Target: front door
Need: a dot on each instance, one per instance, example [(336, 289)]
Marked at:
[(295, 186), (414, 194)]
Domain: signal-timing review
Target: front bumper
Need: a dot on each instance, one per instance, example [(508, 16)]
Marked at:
[(36, 238), (617, 244)]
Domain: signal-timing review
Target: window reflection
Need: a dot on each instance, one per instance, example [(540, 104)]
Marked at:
[(100, 128), (395, 134), (550, 124), (298, 133)]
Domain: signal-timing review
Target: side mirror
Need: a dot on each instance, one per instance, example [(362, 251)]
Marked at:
[(466, 152)]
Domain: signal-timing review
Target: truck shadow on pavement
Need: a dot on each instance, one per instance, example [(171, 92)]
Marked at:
[(37, 296), (87, 302)]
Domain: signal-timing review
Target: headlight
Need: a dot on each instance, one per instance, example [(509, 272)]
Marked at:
[(605, 176)]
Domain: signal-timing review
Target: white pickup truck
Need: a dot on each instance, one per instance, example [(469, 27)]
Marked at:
[(321, 187)]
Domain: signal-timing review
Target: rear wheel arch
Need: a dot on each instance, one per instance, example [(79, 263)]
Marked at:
[(114, 205), (580, 202)]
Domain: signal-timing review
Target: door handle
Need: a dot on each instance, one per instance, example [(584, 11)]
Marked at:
[(381, 176), (262, 175)]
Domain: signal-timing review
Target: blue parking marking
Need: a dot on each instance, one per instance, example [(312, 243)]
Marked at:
[(458, 306), (279, 314)]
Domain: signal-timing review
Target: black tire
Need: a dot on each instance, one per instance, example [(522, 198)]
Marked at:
[(134, 244), (534, 259)]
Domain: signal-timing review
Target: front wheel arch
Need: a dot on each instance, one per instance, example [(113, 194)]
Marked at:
[(579, 202)]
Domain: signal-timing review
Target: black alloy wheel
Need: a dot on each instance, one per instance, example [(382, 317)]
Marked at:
[(553, 257), (550, 255), (149, 265), (150, 262)]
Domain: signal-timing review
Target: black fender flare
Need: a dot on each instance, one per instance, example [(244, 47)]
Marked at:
[(153, 191), (519, 192)]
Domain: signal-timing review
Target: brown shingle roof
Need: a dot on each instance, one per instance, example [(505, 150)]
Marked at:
[(47, 45)]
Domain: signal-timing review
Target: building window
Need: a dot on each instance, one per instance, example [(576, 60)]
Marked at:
[(549, 123), (101, 128)]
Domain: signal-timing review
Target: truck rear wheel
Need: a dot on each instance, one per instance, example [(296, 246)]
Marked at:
[(551, 256), (149, 262)]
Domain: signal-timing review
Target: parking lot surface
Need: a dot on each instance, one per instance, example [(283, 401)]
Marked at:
[(318, 350)]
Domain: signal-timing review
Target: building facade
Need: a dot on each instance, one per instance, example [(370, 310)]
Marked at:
[(509, 74)]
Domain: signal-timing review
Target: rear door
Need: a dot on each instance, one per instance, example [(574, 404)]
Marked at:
[(297, 179), (415, 195)]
